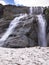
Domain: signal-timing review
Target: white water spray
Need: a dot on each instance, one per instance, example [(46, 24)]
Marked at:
[(42, 31), (30, 10), (11, 28)]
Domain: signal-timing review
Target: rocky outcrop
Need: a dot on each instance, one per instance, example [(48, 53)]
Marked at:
[(24, 35), (1, 10), (4, 25), (11, 11), (46, 13)]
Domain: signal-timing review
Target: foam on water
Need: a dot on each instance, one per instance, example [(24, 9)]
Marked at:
[(30, 9), (42, 31)]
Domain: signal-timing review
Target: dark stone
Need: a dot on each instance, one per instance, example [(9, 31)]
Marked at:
[(1, 10), (24, 35)]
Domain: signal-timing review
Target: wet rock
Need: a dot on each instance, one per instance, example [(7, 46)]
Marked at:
[(27, 28), (4, 25), (16, 42), (33, 33), (48, 39), (23, 35), (46, 12)]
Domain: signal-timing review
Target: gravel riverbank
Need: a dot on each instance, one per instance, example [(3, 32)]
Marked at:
[(24, 56)]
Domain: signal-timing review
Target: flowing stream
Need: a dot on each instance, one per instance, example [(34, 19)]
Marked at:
[(30, 10), (42, 31)]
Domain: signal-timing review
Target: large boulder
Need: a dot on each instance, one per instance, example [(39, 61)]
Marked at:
[(24, 34), (16, 41)]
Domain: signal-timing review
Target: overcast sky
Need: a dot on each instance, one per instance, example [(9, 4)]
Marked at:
[(26, 2)]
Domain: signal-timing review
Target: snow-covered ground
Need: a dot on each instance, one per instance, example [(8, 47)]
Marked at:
[(24, 56)]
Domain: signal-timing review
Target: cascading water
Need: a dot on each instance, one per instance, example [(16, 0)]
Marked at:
[(12, 26), (30, 10), (42, 31)]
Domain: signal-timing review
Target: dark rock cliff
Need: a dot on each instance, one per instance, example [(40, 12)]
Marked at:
[(46, 12), (10, 11)]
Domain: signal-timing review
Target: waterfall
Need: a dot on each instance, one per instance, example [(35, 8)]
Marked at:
[(30, 9), (42, 31), (11, 28)]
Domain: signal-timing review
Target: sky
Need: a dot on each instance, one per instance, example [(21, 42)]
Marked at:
[(29, 3), (4, 2), (9, 1)]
